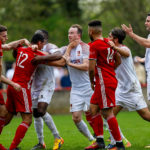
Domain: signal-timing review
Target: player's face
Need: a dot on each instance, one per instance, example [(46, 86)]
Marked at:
[(90, 34), (40, 45), (110, 37), (3, 37), (73, 34), (147, 23)]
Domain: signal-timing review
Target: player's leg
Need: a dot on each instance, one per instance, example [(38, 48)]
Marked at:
[(113, 126), (81, 125), (96, 123), (38, 125), (21, 130), (144, 113), (42, 110)]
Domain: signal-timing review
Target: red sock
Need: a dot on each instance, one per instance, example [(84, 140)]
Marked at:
[(2, 123), (89, 118), (20, 133), (114, 128), (2, 147), (96, 123)]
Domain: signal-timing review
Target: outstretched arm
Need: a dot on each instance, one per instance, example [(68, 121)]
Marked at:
[(122, 51), (15, 44), (142, 41), (16, 86)]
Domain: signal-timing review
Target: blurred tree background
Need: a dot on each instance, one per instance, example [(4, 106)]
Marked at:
[(23, 17)]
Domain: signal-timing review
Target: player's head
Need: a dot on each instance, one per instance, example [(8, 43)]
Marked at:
[(3, 34), (75, 32), (44, 33), (94, 28), (38, 39), (117, 35), (147, 22)]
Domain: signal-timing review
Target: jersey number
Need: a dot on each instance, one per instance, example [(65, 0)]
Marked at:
[(19, 63), (109, 55)]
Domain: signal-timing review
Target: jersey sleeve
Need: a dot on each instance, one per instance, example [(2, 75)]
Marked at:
[(63, 49), (93, 54), (51, 48)]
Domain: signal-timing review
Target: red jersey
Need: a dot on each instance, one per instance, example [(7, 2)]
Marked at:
[(104, 55), (24, 69)]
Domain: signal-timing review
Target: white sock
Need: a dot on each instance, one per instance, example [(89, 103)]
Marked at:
[(51, 125), (84, 130), (113, 142), (38, 124), (122, 136)]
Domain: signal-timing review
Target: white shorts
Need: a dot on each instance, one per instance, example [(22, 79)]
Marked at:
[(132, 100), (148, 85), (80, 100), (44, 96)]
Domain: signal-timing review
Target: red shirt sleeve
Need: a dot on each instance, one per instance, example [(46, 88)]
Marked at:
[(93, 52)]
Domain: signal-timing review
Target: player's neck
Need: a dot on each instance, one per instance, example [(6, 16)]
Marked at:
[(99, 37)]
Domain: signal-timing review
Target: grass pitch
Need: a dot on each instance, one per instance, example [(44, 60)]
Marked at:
[(134, 128)]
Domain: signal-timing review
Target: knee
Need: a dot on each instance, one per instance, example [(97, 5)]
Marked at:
[(76, 118), (38, 113), (3, 111)]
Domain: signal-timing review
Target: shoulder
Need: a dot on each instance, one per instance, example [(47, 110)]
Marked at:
[(84, 46), (125, 47)]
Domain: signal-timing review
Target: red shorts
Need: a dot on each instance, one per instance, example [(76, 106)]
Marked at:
[(2, 102), (104, 96), (19, 101)]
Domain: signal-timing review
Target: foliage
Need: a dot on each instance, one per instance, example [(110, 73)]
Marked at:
[(23, 17)]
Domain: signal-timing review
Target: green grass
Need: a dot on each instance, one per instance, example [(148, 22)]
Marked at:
[(134, 128)]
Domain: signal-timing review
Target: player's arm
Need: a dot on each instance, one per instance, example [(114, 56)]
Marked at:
[(122, 51), (142, 41), (15, 44), (84, 66), (92, 64), (16, 86), (117, 58), (140, 59)]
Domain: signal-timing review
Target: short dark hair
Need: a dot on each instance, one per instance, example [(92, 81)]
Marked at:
[(79, 28), (3, 28), (148, 14), (36, 38), (118, 33), (43, 32), (95, 23)]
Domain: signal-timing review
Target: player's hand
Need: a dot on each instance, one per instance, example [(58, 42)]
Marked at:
[(73, 44), (138, 59), (128, 30), (112, 44), (17, 87), (67, 58), (93, 86), (34, 47), (26, 42)]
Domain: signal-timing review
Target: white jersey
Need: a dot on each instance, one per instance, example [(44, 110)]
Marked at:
[(79, 78), (44, 74), (147, 58), (126, 75)]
